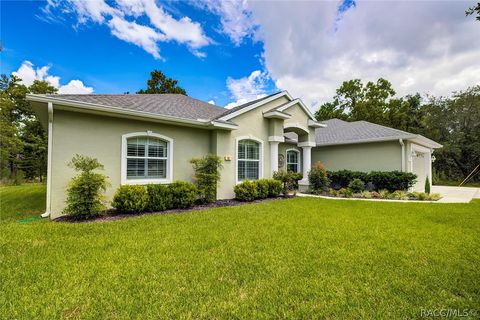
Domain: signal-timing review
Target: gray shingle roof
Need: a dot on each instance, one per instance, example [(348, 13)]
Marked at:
[(343, 132), (175, 105)]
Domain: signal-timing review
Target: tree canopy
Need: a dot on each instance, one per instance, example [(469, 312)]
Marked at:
[(160, 83)]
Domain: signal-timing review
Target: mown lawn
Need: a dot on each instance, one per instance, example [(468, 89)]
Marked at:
[(298, 258), (24, 201)]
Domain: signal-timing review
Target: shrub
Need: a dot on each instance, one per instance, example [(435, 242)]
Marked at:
[(356, 185), (206, 176), (384, 194), (84, 193), (130, 199), (346, 192), (289, 179), (183, 194), (246, 191), (366, 194), (262, 187), (427, 185), (434, 196), (159, 197), (375, 180), (399, 195), (318, 178), (333, 192), (274, 187), (375, 194)]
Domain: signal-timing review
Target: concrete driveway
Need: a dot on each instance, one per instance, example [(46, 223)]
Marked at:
[(456, 194)]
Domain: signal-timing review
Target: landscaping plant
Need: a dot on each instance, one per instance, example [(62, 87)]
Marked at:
[(85, 192), (183, 194), (427, 185), (318, 178), (262, 187), (289, 179), (356, 185), (246, 191), (131, 199), (159, 197), (275, 187), (206, 176), (375, 180)]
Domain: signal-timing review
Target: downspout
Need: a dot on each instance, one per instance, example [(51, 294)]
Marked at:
[(403, 154), (49, 165)]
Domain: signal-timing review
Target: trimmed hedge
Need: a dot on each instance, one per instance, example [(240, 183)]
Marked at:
[(258, 189), (375, 180), (154, 197)]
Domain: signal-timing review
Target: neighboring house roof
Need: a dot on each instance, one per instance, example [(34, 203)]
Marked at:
[(174, 105), (342, 132)]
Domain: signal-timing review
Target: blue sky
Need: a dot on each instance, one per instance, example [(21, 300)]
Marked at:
[(235, 51), (91, 53)]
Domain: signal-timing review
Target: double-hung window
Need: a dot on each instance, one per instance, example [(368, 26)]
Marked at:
[(248, 166), (292, 161), (147, 159)]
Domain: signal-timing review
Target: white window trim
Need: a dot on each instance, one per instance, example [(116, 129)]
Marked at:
[(168, 179), (298, 158), (260, 167)]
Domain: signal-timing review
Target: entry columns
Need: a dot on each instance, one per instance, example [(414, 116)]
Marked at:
[(274, 142), (307, 161)]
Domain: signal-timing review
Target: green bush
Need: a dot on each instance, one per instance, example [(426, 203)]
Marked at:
[(434, 196), (356, 185), (366, 194), (375, 194), (84, 194), (384, 194), (346, 192), (159, 197), (333, 192), (274, 187), (318, 178), (206, 176), (375, 180), (427, 185), (183, 194), (262, 187), (289, 179), (246, 191), (399, 195), (131, 199)]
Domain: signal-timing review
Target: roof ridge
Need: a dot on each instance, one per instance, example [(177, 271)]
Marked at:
[(382, 126)]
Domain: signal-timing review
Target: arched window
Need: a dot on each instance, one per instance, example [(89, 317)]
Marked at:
[(293, 160), (249, 160), (146, 158)]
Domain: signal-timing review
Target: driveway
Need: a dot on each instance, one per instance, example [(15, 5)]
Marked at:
[(456, 194)]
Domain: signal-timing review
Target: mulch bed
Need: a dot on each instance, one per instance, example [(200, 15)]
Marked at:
[(112, 215)]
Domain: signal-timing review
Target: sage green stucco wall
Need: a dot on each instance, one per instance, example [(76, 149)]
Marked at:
[(379, 156), (101, 137)]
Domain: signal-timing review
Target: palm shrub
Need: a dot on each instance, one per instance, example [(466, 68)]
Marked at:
[(131, 199), (207, 175), (85, 197), (356, 185), (318, 178)]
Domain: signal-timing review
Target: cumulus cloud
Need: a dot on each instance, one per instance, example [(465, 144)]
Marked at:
[(247, 88), (29, 73), (126, 20), (312, 47)]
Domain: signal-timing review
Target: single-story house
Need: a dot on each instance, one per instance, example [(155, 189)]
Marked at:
[(144, 139)]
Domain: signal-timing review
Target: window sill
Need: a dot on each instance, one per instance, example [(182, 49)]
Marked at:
[(147, 181)]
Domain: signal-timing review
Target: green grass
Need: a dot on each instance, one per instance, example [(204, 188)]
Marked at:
[(24, 201), (297, 258)]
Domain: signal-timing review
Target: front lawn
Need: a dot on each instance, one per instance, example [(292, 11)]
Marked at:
[(24, 201), (297, 258)]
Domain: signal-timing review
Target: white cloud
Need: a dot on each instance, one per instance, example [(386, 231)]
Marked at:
[(426, 46), (247, 88), (28, 73), (125, 18), (211, 101), (235, 18)]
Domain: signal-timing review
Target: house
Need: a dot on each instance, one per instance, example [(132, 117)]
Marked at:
[(144, 139)]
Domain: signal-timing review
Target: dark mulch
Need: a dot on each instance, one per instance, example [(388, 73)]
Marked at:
[(114, 215)]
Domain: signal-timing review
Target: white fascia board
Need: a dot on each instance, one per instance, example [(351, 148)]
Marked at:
[(115, 110), (300, 102), (419, 139), (315, 124), (256, 105), (223, 125), (276, 114)]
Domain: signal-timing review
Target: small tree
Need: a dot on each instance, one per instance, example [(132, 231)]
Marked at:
[(84, 194), (207, 175), (289, 180), (427, 185), (317, 176)]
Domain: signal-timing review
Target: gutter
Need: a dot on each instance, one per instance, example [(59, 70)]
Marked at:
[(403, 153), (49, 165)]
